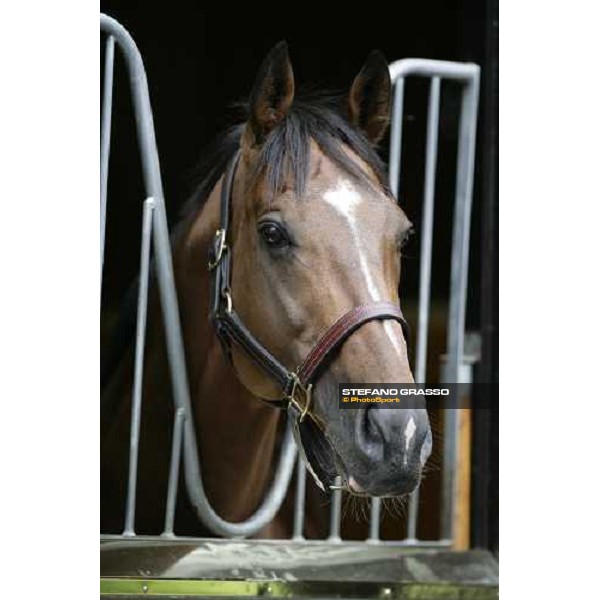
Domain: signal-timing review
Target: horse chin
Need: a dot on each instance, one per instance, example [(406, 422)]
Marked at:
[(325, 464), (323, 461)]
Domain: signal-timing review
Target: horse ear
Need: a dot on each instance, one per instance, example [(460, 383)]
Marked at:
[(272, 94), (370, 96)]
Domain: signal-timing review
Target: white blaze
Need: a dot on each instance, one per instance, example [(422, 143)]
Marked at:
[(393, 336), (345, 199)]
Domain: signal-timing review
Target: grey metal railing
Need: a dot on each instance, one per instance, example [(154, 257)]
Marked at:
[(155, 229), (468, 75), (155, 236)]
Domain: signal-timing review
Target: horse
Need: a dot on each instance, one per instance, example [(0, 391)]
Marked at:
[(314, 243)]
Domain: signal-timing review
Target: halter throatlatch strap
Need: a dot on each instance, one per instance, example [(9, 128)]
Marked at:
[(296, 385)]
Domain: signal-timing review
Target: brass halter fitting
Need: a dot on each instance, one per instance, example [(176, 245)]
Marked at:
[(307, 391), (228, 300), (219, 247)]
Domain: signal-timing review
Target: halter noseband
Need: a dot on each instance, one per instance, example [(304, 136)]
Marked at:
[(296, 385)]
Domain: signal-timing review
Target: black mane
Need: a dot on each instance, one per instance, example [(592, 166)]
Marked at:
[(286, 150)]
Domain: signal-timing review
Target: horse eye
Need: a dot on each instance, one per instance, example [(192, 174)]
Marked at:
[(274, 235)]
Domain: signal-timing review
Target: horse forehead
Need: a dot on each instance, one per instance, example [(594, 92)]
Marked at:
[(344, 198), (352, 204), (339, 190)]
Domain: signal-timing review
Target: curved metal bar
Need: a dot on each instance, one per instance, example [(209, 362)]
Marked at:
[(300, 500), (396, 136), (427, 226), (425, 266), (458, 283), (433, 68), (166, 284), (105, 127), (468, 75)]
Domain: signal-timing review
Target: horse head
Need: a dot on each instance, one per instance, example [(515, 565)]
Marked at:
[(315, 232)]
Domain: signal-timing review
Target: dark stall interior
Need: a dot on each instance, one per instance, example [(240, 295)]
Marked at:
[(202, 57)]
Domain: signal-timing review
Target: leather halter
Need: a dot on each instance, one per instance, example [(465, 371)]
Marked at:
[(296, 385)]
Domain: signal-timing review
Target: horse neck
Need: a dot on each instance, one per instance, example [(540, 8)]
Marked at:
[(237, 433)]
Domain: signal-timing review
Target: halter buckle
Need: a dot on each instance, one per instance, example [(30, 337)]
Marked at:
[(228, 300), (297, 384), (219, 245)]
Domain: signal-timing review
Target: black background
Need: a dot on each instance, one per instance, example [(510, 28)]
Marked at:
[(201, 57)]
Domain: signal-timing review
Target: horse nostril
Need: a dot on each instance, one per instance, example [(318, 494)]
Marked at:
[(370, 435), (376, 427)]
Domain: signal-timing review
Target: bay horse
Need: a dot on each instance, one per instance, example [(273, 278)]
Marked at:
[(315, 236)]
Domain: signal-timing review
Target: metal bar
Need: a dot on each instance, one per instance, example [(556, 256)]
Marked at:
[(140, 339), (114, 539), (468, 74), (105, 129), (458, 289), (174, 472), (462, 222), (427, 229), (425, 266), (413, 516), (450, 453), (374, 523), (395, 168), (160, 587), (422, 67), (336, 512), (300, 500), (172, 326)]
